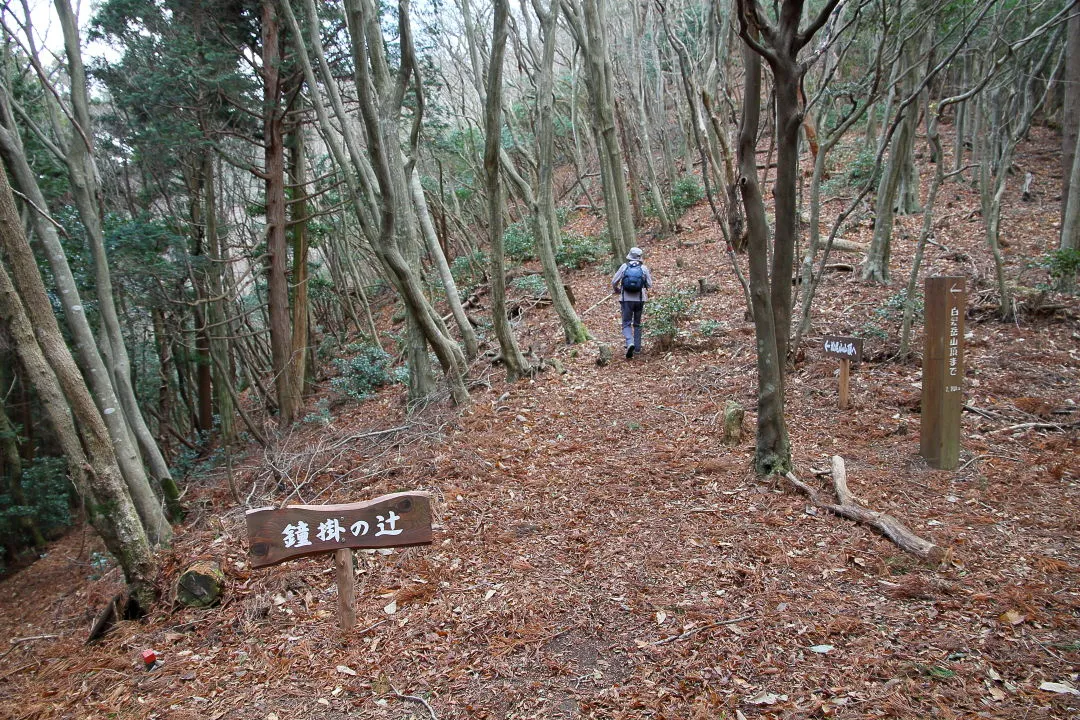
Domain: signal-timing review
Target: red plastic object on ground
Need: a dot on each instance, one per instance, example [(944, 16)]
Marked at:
[(149, 657)]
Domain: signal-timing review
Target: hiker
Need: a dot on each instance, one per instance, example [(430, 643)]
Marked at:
[(632, 282)]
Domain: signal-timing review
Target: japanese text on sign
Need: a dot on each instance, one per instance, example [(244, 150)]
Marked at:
[(395, 520), (845, 348), (332, 530), (954, 346)]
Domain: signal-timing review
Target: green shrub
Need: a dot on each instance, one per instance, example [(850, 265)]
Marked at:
[(666, 313), (362, 373), (320, 415), (894, 306), (530, 284), (861, 168), (1063, 267), (469, 271), (518, 242), (578, 250), (709, 328), (685, 193), (46, 503)]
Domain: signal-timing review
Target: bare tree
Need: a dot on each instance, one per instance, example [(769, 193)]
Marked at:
[(770, 287)]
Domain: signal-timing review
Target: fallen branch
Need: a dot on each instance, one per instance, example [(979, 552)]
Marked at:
[(16, 641), (885, 524), (1038, 426), (850, 246), (416, 699)]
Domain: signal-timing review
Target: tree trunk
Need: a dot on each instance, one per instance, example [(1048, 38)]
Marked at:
[(288, 395), (516, 365), (592, 39), (219, 328), (1070, 127), (298, 210), (25, 270), (435, 251), (86, 187), (380, 106), (50, 363), (545, 227), (773, 448)]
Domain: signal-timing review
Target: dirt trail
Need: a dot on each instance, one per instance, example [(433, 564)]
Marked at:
[(600, 554)]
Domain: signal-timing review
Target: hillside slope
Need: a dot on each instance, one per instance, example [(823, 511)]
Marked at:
[(600, 553)]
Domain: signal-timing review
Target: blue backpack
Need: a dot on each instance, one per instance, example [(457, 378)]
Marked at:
[(633, 279)]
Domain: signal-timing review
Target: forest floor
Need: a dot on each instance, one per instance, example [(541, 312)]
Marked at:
[(600, 553)]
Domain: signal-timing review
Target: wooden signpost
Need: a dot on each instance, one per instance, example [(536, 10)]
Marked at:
[(848, 350), (943, 371), (396, 520)]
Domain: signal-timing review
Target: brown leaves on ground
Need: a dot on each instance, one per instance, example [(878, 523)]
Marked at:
[(600, 554)]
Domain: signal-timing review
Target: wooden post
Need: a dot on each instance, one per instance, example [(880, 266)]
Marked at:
[(847, 350), (943, 371), (396, 520), (845, 376), (346, 588)]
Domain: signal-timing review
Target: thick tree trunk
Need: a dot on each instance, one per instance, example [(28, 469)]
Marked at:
[(288, 395), (50, 363), (216, 308), (592, 39), (1070, 127), (545, 228), (773, 448), (298, 210)]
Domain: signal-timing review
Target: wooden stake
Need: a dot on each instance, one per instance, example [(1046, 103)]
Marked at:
[(346, 588), (845, 378), (943, 371)]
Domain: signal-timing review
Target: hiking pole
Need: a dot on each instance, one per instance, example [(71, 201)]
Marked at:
[(598, 304)]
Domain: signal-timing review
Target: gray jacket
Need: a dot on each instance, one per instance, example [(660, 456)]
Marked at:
[(616, 285)]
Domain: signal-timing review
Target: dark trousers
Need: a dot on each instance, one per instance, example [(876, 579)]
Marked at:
[(631, 322)]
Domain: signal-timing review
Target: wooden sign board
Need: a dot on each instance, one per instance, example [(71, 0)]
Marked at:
[(848, 350), (943, 371), (845, 348), (396, 520)]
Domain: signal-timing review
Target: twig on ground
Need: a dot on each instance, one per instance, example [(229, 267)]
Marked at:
[(16, 641), (417, 699), (701, 628), (985, 413), (1038, 426)]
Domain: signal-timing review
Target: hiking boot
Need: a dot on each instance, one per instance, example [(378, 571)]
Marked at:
[(629, 351)]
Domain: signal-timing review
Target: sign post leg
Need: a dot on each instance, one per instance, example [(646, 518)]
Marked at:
[(346, 587), (845, 378)]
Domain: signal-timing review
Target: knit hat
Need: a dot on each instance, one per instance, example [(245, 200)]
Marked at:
[(635, 254)]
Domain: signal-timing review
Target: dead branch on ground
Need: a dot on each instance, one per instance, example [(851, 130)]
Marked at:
[(885, 524)]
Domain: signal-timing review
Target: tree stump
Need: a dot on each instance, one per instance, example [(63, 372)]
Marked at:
[(200, 585), (603, 356), (733, 422)]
